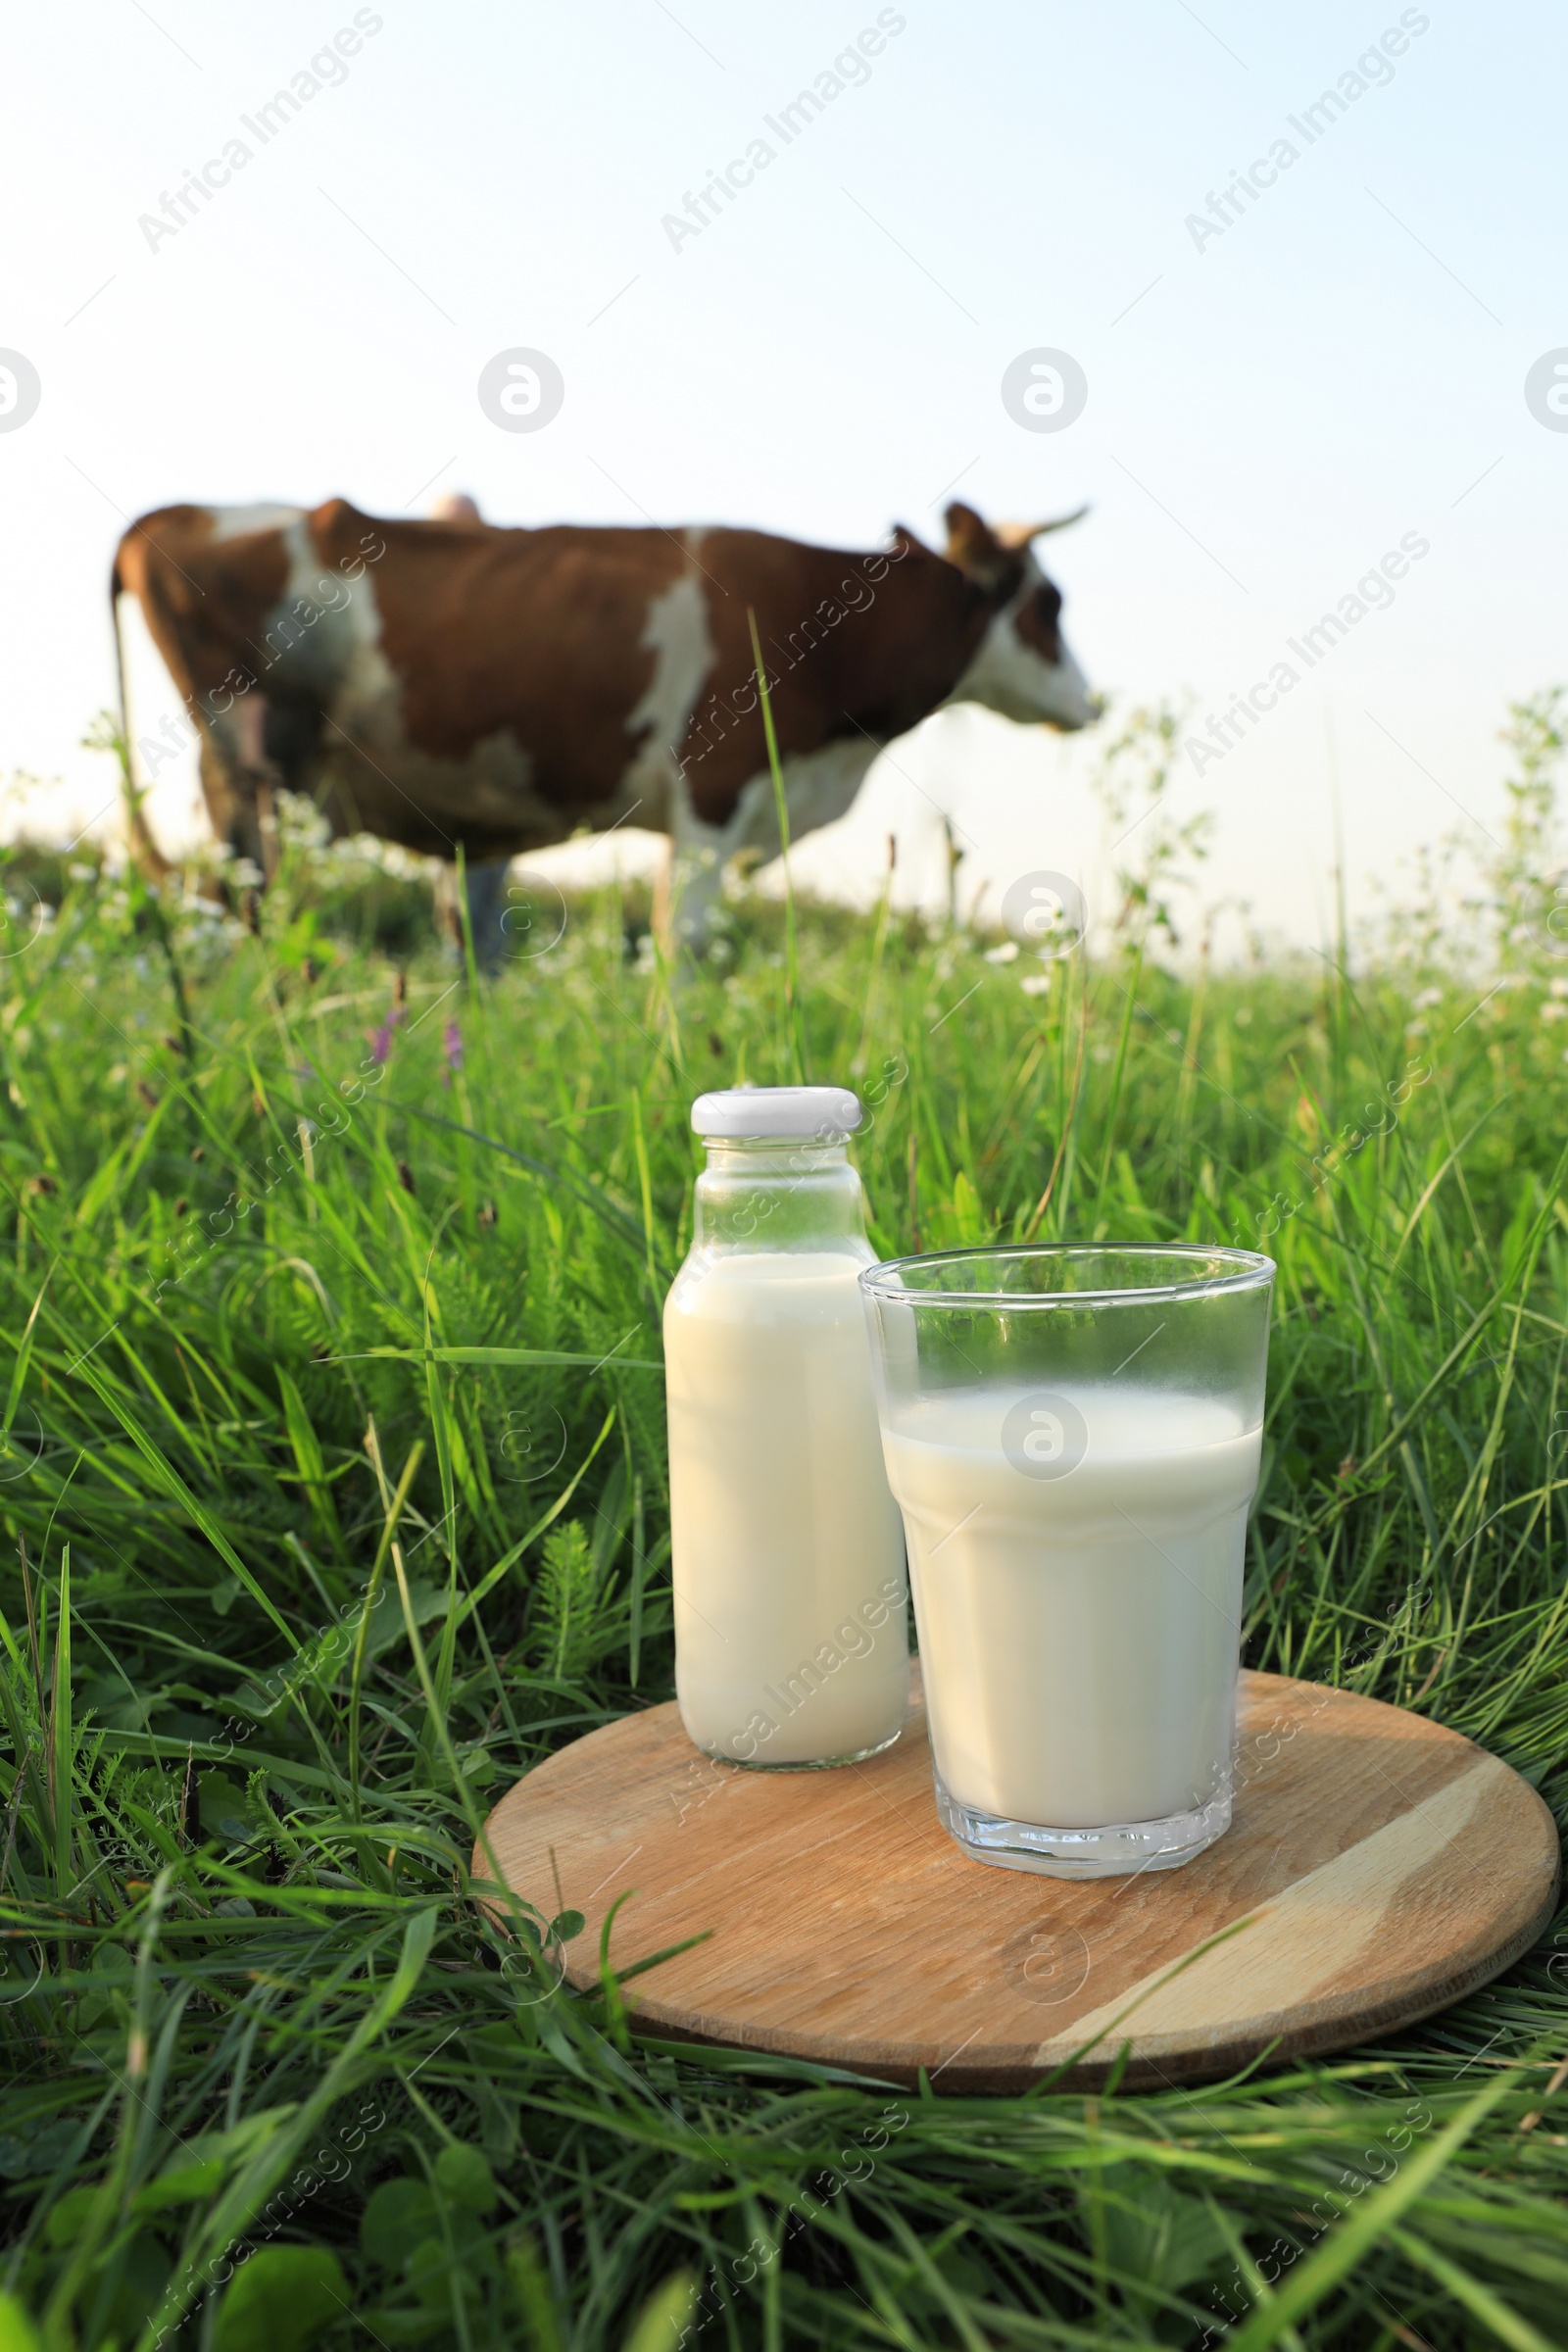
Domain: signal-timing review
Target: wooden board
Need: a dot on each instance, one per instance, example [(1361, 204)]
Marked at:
[(1378, 1868)]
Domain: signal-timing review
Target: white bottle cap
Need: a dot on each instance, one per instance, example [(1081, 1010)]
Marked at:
[(806, 1112)]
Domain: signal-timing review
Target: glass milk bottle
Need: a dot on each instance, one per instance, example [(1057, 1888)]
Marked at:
[(790, 1649)]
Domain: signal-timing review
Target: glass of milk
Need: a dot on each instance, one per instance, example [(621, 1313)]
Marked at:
[(1074, 1436), (790, 1642)]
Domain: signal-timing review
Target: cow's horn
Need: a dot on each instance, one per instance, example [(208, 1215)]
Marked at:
[(1015, 535)]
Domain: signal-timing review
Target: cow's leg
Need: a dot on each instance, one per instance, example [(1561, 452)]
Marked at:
[(693, 884), (486, 880), (819, 787), (229, 793), (266, 828), (239, 783), (257, 776)]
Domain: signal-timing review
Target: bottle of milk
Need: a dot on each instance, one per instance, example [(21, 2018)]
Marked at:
[(790, 1649)]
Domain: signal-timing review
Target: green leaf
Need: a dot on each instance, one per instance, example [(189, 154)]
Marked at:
[(312, 1463), (68, 2215), (565, 1629), (281, 2300), (187, 2184), (167, 1479), (1155, 2236), (428, 2269), (398, 2214), (969, 1221), (659, 2325), (465, 2180), (533, 2294), (19, 1375), (1341, 2248), (225, 1810), (564, 1925), (508, 1356), (63, 1747), (245, 2195), (17, 2331)]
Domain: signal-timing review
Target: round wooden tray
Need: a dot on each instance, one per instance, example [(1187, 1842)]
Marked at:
[(1379, 1867)]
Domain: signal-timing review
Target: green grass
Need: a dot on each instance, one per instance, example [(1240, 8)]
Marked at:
[(307, 1587)]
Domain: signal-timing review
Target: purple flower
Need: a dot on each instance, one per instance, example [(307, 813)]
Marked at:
[(382, 1042), (451, 1050)]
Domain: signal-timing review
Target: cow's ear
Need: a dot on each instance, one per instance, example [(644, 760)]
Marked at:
[(977, 551), (902, 542)]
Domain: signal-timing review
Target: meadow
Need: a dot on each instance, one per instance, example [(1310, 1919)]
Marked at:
[(298, 1578)]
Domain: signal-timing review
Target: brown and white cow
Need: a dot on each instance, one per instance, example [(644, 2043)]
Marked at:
[(443, 683)]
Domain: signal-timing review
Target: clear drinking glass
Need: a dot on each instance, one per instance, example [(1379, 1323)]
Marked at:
[(1072, 1435)]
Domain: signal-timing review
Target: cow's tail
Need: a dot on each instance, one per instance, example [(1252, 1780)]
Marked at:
[(146, 855)]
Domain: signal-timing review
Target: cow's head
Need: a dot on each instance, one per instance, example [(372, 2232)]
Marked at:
[(1022, 666)]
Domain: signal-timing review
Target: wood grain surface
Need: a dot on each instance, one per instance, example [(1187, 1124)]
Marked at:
[(1378, 1868)]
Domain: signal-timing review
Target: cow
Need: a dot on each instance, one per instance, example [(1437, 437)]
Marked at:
[(449, 685)]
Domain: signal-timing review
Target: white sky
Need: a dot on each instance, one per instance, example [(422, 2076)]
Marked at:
[(1266, 416)]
